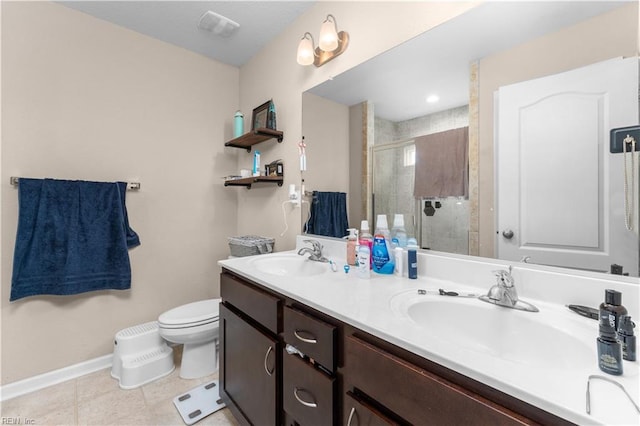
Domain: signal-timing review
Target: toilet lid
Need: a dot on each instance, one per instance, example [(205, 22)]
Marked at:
[(192, 313)]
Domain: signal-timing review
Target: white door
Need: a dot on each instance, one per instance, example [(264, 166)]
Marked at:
[(560, 197)]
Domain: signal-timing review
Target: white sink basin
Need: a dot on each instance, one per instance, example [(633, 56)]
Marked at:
[(289, 265), (540, 339)]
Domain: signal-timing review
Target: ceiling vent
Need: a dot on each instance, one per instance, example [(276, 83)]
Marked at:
[(217, 24)]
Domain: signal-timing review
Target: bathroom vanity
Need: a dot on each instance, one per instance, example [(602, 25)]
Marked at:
[(358, 354)]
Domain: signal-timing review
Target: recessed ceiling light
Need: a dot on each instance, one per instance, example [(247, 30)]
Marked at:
[(433, 99)]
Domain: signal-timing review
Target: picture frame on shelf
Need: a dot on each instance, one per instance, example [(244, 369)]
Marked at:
[(260, 116)]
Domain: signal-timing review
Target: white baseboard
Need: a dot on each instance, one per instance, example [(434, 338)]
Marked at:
[(54, 377)]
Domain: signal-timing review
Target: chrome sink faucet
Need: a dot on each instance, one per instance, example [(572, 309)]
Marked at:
[(504, 293), (315, 251)]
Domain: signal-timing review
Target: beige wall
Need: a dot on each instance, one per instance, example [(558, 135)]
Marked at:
[(274, 73), (326, 125), (607, 36), (84, 99)]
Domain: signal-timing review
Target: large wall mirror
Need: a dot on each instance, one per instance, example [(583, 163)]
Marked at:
[(483, 66)]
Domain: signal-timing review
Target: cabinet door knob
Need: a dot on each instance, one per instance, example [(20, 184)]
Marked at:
[(266, 356), (353, 411), (303, 339), (305, 403)]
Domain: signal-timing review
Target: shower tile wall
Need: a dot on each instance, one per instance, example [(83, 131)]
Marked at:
[(448, 229)]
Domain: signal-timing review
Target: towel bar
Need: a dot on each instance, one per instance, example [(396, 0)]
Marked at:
[(131, 186)]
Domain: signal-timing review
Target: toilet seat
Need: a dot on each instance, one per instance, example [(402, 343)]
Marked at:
[(191, 315)]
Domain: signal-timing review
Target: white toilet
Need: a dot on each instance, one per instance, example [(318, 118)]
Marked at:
[(194, 325)]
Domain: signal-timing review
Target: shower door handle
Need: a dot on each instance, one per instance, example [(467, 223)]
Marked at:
[(508, 234)]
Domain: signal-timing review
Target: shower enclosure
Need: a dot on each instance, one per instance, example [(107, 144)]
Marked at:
[(440, 224)]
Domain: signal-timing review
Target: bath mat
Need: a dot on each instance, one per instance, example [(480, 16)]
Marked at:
[(199, 402)]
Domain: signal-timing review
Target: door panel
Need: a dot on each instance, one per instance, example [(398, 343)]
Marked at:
[(559, 190)]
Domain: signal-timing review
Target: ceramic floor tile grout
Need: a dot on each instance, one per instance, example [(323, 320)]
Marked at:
[(151, 411)]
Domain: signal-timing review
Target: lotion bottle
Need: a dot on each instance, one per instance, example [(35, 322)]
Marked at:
[(366, 238), (364, 261), (352, 241)]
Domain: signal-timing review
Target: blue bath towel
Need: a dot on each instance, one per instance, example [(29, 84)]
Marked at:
[(328, 214), (73, 237)]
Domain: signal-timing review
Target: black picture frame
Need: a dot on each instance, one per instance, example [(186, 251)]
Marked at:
[(260, 116)]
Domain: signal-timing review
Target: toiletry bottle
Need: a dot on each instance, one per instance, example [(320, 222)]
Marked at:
[(271, 116), (412, 263), (256, 163), (609, 348), (238, 124), (398, 257), (398, 233), (382, 256), (366, 238), (352, 241), (364, 261), (612, 307), (626, 337)]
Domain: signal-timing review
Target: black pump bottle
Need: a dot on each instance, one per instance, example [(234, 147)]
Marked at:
[(612, 308), (609, 349), (626, 337)]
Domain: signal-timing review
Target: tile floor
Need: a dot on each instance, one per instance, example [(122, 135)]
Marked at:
[(96, 399)]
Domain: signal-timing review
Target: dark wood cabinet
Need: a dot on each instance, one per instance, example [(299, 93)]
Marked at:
[(308, 393), (416, 395), (250, 368), (312, 336), (346, 376), (359, 412)]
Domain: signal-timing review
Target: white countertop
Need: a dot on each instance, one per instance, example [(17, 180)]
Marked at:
[(367, 305)]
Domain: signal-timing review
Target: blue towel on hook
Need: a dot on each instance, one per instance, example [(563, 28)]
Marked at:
[(73, 237), (328, 214)]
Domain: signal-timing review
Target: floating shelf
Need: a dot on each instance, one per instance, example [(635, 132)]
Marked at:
[(254, 179), (256, 136)]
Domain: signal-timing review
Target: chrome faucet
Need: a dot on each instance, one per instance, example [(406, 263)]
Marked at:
[(504, 293), (315, 251)]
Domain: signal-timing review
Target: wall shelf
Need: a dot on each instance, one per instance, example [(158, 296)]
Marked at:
[(256, 136), (254, 179)]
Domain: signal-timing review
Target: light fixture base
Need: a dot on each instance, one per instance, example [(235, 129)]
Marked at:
[(321, 57)]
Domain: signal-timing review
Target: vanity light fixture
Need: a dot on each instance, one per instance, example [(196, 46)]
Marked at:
[(330, 44)]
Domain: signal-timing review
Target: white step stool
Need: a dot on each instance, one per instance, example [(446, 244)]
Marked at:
[(140, 356)]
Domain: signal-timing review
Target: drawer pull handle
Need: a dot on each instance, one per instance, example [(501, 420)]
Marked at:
[(353, 411), (305, 403), (303, 339), (266, 356)]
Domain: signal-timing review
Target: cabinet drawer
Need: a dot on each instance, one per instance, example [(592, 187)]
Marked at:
[(307, 393), (358, 412), (254, 302), (414, 394), (314, 338)]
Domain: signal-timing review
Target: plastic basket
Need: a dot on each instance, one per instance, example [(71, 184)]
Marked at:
[(249, 245)]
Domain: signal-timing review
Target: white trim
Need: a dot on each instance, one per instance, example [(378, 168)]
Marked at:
[(54, 377)]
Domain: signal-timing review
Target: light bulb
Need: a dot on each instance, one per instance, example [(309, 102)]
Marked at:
[(305, 51), (328, 40)]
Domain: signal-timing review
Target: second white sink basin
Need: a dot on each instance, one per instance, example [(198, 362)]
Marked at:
[(539, 339), (289, 264)]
